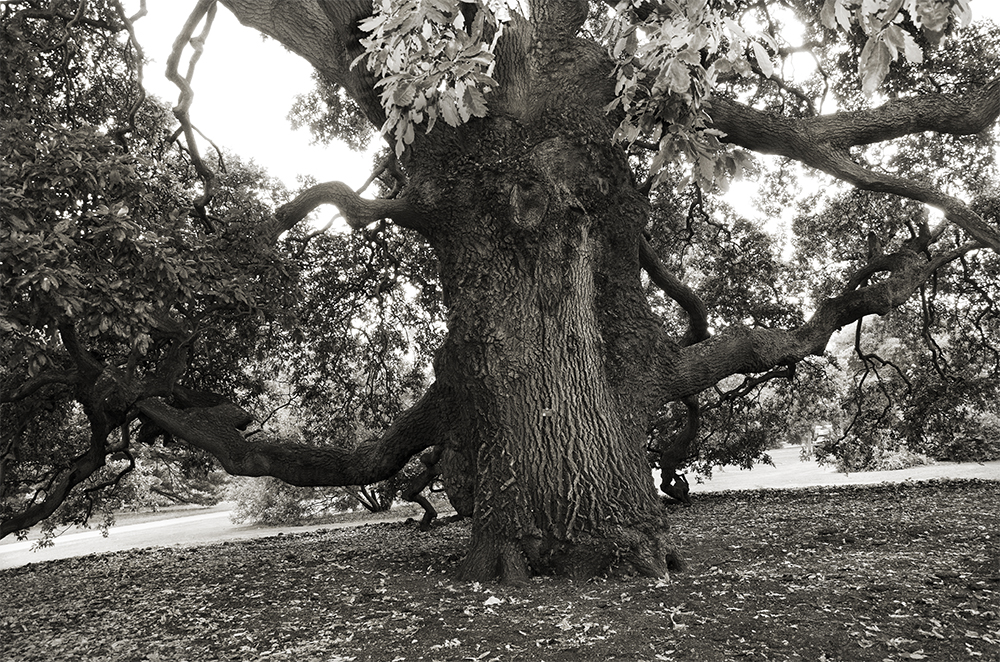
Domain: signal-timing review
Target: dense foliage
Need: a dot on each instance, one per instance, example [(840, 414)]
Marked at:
[(106, 262)]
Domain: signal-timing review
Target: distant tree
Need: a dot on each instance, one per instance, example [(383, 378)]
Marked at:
[(532, 151)]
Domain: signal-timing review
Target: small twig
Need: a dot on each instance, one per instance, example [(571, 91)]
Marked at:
[(206, 10), (129, 123)]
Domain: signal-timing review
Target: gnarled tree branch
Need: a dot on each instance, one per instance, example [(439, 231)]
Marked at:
[(216, 429), (205, 9), (40, 381), (357, 211), (742, 350), (685, 297), (82, 467), (675, 451)]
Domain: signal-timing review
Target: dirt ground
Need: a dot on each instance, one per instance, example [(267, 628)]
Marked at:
[(885, 572)]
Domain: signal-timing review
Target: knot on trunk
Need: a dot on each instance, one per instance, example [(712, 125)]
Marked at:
[(529, 202)]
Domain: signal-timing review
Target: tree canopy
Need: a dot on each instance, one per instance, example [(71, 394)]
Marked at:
[(548, 289)]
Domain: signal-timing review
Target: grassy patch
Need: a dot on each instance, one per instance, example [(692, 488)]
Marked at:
[(887, 572)]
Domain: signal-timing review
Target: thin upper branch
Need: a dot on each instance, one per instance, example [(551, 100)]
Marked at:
[(205, 9), (823, 142)]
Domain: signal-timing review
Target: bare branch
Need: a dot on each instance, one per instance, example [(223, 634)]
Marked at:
[(205, 9), (139, 14), (357, 211), (129, 124)]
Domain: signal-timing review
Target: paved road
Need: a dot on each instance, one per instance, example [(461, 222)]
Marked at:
[(210, 527), (202, 528)]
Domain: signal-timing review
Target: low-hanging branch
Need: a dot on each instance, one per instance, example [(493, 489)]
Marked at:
[(81, 468), (823, 142), (675, 451), (218, 430)]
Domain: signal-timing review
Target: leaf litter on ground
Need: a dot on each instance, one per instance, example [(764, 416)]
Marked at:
[(889, 572)]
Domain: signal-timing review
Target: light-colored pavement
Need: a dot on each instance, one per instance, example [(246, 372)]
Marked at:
[(789, 472), (193, 529), (204, 527)]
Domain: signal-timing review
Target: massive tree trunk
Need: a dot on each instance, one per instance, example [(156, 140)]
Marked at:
[(537, 229), (536, 223)]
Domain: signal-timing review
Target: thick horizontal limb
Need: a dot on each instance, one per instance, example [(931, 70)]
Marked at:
[(744, 351), (959, 114), (217, 430)]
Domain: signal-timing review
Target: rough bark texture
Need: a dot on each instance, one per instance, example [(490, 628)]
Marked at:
[(562, 482)]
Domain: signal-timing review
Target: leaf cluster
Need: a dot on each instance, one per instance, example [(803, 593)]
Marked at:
[(433, 59)]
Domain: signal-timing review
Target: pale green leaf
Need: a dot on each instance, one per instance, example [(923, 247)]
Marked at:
[(873, 65), (763, 59), (678, 77), (843, 16), (890, 12), (912, 51), (449, 110), (738, 32), (894, 40), (475, 101)]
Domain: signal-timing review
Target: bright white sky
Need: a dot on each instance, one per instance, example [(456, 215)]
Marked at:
[(245, 85)]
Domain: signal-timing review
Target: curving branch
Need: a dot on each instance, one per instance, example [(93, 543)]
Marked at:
[(217, 429), (128, 124), (823, 142), (82, 467), (30, 386), (743, 351), (685, 297), (357, 211), (675, 452)]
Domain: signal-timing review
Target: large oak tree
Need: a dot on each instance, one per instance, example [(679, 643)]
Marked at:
[(529, 150)]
